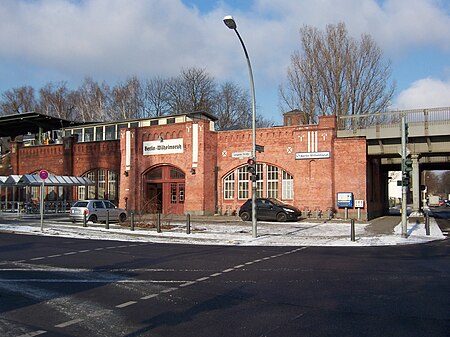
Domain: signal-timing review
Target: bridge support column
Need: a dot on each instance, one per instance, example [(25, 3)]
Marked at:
[(415, 183)]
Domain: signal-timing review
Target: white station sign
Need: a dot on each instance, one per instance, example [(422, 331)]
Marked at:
[(169, 146)]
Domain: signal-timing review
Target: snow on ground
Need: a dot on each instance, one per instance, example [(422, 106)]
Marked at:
[(331, 233)]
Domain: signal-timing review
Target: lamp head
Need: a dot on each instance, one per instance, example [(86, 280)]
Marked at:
[(229, 22)]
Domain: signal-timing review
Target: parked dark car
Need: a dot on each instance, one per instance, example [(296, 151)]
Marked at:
[(269, 209)]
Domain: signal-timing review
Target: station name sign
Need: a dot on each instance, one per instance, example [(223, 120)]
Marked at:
[(169, 146), (312, 155)]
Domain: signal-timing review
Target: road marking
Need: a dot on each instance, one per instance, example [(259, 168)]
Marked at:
[(56, 255), (168, 290), (84, 251), (33, 333), (215, 274), (202, 279), (126, 304), (187, 284), (68, 323), (149, 296), (239, 266), (70, 253), (37, 258), (227, 270)]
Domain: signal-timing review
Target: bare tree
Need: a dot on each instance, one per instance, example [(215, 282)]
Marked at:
[(54, 100), (18, 100), (155, 97), (232, 107), (91, 102), (127, 99), (335, 74)]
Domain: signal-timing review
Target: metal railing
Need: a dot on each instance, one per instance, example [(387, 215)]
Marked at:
[(393, 118)]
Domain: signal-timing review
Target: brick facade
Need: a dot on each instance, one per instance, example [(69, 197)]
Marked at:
[(320, 164)]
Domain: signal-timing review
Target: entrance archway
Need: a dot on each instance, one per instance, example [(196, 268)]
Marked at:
[(164, 190)]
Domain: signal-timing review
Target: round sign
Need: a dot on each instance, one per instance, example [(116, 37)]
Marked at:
[(43, 174)]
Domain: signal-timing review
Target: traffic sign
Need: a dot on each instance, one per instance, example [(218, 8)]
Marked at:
[(43, 174)]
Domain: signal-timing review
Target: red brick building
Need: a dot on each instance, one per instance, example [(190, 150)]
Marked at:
[(180, 164)]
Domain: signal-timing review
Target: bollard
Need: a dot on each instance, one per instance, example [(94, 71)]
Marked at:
[(107, 220), (188, 224), (132, 221), (158, 222), (84, 220), (346, 213), (352, 229), (427, 223)]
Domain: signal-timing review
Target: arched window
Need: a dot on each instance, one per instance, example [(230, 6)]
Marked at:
[(105, 185), (236, 184)]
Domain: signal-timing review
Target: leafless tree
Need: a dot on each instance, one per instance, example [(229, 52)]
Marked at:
[(91, 102), (335, 74), (54, 100), (127, 99), (18, 100), (155, 97)]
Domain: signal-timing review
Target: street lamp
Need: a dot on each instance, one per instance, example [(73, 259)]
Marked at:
[(230, 23)]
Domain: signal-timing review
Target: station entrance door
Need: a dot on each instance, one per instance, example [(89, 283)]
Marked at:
[(164, 190)]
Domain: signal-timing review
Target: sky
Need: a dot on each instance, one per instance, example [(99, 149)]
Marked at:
[(56, 41)]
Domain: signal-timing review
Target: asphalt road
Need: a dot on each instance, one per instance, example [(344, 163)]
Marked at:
[(65, 287)]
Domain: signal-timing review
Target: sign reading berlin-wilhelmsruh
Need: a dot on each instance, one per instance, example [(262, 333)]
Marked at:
[(166, 146)]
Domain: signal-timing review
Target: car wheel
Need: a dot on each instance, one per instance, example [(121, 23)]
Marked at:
[(93, 218), (245, 216), (122, 217), (281, 217)]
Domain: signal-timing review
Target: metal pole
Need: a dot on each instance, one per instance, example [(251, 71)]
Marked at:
[(132, 221), (352, 229), (427, 223), (188, 224), (404, 188), (230, 23), (84, 219), (42, 206), (107, 220), (158, 222)]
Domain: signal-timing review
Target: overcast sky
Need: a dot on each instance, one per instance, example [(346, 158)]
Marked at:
[(110, 40)]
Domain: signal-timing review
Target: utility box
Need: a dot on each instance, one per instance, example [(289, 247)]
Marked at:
[(433, 200)]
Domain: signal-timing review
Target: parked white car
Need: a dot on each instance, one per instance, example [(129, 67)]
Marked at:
[(96, 211)]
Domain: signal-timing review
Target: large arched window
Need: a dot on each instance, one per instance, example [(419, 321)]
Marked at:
[(105, 187), (272, 182)]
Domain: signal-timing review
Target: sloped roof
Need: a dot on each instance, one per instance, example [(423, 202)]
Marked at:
[(22, 123), (35, 180)]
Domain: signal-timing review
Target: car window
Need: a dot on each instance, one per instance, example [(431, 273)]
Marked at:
[(98, 204), (109, 204), (80, 204)]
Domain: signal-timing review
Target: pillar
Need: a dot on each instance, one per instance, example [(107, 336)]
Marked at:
[(415, 183)]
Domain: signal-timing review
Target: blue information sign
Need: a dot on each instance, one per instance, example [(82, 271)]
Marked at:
[(345, 199)]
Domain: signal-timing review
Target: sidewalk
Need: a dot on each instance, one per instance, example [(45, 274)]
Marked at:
[(231, 231)]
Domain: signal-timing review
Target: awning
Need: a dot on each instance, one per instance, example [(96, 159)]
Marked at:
[(35, 180)]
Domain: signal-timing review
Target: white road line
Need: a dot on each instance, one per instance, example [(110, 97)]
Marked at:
[(168, 290), (239, 266), (227, 270), (33, 333), (187, 284), (68, 323), (126, 304), (84, 251), (37, 258), (70, 253), (56, 255), (149, 296), (215, 274), (202, 279)]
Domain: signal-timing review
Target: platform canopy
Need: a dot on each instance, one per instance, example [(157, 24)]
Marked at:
[(35, 180), (30, 122)]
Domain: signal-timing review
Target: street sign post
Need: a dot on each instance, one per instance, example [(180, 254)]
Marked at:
[(43, 174)]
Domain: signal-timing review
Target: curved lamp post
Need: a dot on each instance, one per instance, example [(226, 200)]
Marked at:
[(230, 23)]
